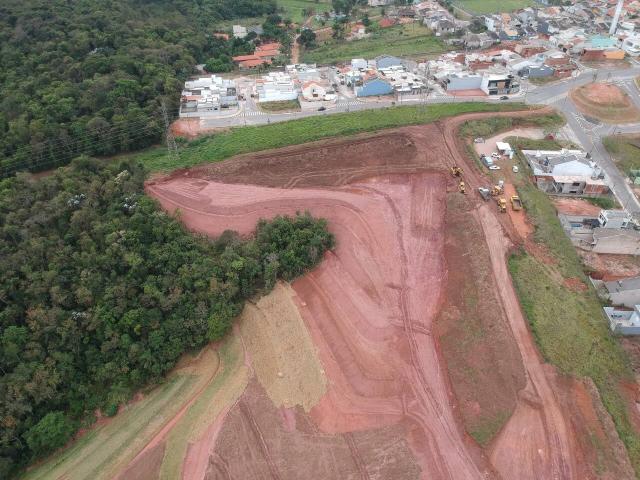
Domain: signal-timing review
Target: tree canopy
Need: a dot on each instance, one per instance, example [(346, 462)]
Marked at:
[(101, 292), (87, 76)]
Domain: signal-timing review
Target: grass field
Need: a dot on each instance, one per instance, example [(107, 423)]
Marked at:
[(406, 40), (492, 6), (285, 105), (568, 325), (262, 137), (625, 150), (107, 448), (293, 8)]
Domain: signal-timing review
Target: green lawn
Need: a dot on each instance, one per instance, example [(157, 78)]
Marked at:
[(405, 40), (569, 326), (293, 8), (285, 105), (239, 140), (625, 150), (492, 6)]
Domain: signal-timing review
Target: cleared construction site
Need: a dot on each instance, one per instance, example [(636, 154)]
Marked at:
[(404, 355)]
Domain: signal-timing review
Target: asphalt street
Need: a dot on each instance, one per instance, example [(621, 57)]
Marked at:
[(587, 131)]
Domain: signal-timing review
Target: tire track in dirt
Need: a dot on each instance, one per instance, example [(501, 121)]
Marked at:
[(273, 469), (375, 297)]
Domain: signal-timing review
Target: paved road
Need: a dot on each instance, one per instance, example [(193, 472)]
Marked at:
[(589, 134)]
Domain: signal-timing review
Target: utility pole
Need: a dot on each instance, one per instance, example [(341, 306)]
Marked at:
[(172, 147)]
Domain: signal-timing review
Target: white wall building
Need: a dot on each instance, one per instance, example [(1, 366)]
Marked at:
[(276, 87)]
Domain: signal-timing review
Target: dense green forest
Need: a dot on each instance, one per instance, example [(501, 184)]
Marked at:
[(87, 76), (101, 292)]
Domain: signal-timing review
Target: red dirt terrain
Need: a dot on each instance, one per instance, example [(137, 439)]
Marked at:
[(390, 409)]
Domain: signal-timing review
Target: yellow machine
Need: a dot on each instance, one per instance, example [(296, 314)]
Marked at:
[(502, 204), (456, 171), (497, 190), (462, 188), (516, 203)]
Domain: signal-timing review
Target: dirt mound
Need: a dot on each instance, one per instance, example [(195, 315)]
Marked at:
[(605, 94), (606, 102)]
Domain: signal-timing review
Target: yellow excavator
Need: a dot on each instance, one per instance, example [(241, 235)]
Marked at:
[(502, 205), (462, 187), (456, 171)]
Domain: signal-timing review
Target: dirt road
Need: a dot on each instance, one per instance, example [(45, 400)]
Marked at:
[(370, 305)]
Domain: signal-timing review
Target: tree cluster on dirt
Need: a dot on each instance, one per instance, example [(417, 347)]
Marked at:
[(101, 292), (86, 76)]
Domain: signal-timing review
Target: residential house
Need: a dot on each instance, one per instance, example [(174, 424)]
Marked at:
[(614, 219), (387, 61), (624, 292), (313, 91), (276, 87), (499, 84), (458, 81), (624, 322), (239, 31), (263, 55), (631, 45), (209, 94), (373, 86), (566, 172)]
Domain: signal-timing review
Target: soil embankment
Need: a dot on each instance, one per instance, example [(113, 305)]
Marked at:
[(389, 409)]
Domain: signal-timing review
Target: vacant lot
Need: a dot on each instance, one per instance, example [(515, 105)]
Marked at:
[(625, 150), (294, 9), (283, 106), (606, 102), (492, 6), (407, 40)]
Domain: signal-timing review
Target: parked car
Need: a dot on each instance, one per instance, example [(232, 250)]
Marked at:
[(515, 169), (494, 167), (322, 108), (504, 97), (478, 140)]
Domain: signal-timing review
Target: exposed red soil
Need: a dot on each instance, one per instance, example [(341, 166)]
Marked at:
[(575, 206), (606, 102), (189, 128), (609, 267), (605, 94), (370, 308)]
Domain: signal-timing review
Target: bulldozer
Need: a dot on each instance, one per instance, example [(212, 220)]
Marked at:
[(462, 188), (456, 171), (497, 189), (502, 205)]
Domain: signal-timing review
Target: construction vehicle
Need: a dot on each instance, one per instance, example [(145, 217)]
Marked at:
[(516, 203), (462, 187), (497, 189), (502, 205), (456, 171), (485, 193)]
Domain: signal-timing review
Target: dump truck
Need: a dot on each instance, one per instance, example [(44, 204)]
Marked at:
[(516, 203), (462, 187), (456, 171), (502, 204)]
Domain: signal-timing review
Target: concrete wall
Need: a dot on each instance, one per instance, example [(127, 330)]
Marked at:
[(628, 298), (618, 245), (463, 83)]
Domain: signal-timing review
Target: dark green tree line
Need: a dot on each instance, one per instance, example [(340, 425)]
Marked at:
[(101, 292), (86, 76)]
